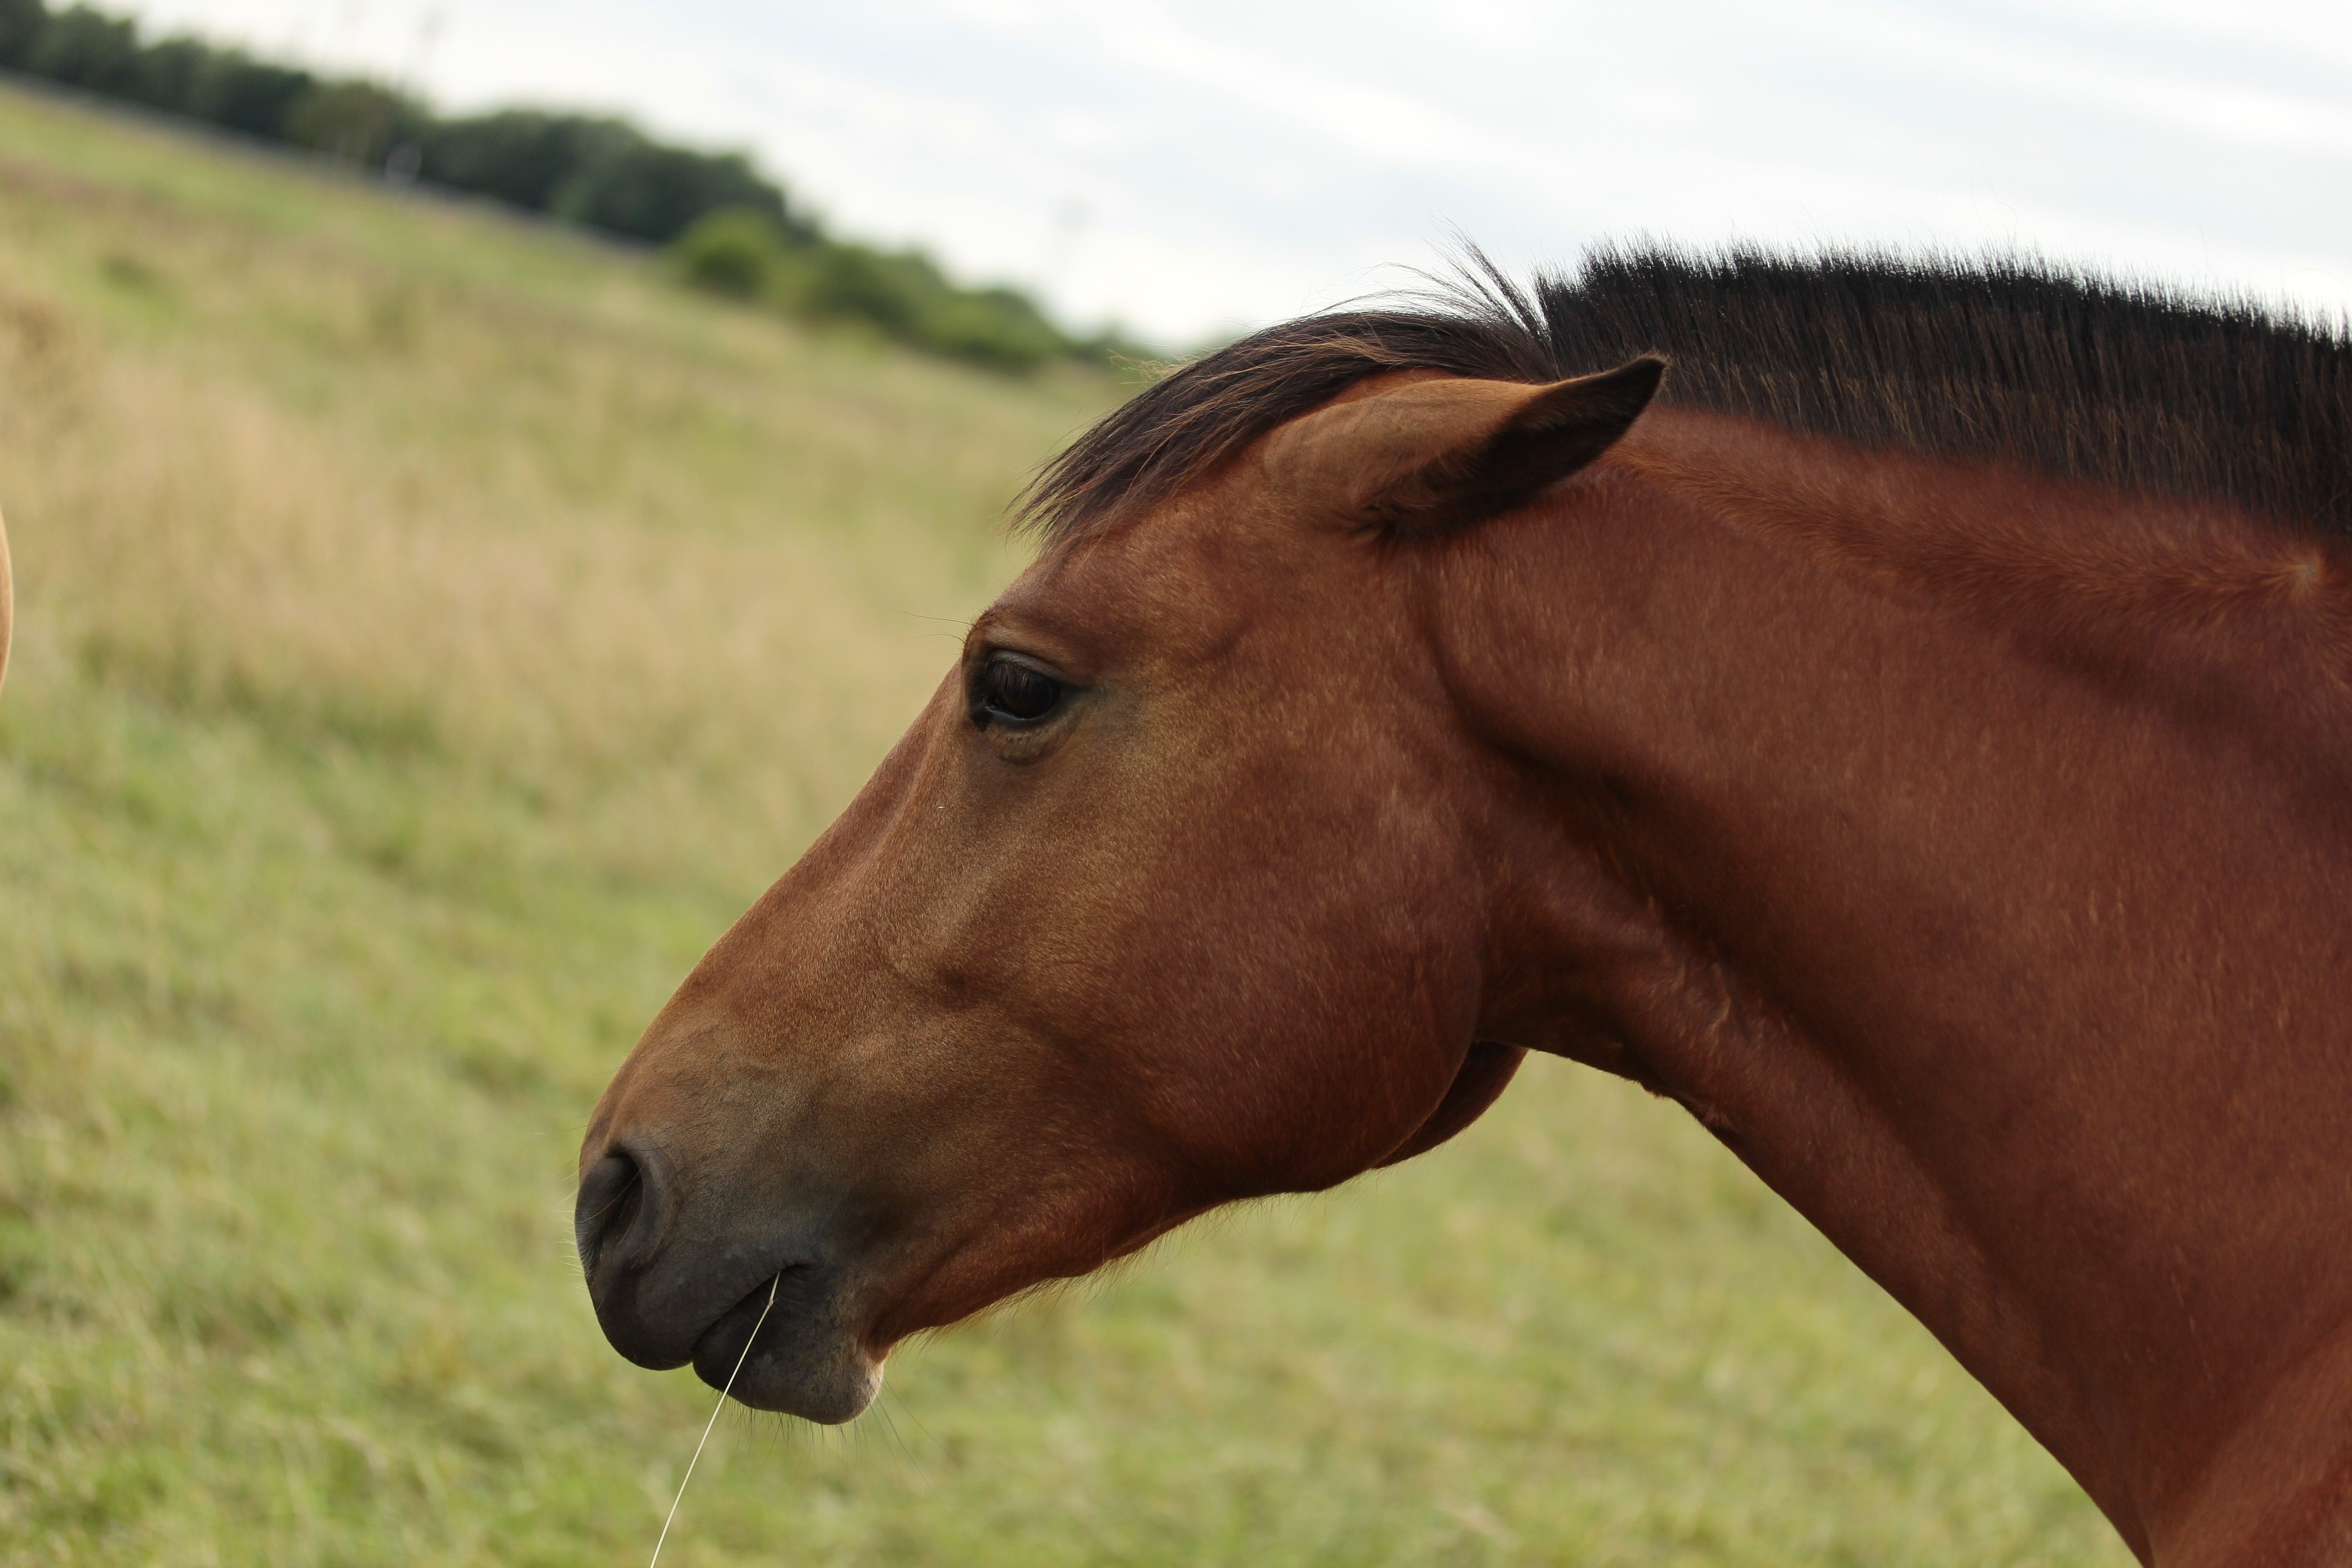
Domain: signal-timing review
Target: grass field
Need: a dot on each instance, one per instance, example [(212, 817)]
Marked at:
[(433, 630)]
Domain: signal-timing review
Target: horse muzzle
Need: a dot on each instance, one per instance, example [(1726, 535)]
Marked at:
[(768, 1306)]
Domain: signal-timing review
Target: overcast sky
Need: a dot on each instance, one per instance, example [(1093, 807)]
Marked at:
[(1192, 166)]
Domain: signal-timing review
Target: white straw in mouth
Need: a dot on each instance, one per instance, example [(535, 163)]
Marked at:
[(772, 1286)]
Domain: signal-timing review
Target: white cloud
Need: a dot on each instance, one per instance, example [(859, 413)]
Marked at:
[(1193, 165)]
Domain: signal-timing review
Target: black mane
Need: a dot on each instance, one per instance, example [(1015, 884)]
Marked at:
[(2132, 385)]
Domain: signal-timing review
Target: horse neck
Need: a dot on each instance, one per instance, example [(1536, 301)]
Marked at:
[(1970, 853)]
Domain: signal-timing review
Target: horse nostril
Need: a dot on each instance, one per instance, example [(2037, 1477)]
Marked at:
[(612, 1196)]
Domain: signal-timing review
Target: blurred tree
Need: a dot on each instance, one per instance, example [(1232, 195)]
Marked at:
[(633, 186), (240, 93), (88, 50), (170, 75), (354, 119), (603, 172), (521, 156), (731, 230), (22, 23)]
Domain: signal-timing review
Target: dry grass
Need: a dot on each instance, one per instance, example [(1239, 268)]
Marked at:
[(213, 550), (7, 601), (621, 558)]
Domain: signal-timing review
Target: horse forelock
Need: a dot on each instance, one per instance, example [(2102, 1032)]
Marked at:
[(2130, 383)]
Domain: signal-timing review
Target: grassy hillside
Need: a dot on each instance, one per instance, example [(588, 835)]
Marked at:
[(433, 629)]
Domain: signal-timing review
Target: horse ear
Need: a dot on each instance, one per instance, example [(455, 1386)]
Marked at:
[(1507, 454)]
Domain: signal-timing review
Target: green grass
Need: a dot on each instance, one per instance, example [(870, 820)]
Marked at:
[(433, 630)]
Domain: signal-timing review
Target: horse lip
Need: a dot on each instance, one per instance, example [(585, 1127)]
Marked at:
[(767, 1311), (727, 1343), (786, 1347)]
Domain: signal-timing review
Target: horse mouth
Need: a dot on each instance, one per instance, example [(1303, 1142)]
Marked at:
[(787, 1346)]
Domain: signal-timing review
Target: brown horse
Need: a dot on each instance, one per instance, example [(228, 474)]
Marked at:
[(1919, 742)]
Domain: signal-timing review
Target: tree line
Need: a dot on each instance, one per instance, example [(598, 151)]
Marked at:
[(729, 227)]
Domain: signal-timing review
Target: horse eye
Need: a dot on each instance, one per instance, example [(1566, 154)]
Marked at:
[(1013, 693)]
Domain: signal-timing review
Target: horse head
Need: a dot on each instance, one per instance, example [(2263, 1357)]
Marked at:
[(1168, 899)]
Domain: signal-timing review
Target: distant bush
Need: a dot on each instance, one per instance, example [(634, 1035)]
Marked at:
[(743, 254), (869, 285), (605, 173), (519, 155), (905, 294), (640, 188), (357, 120), (731, 230), (999, 327), (736, 251), (257, 99)]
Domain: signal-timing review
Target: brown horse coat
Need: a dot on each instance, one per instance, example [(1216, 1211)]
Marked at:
[(1956, 823)]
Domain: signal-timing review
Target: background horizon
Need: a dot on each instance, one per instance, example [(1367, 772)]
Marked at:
[(1192, 169)]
